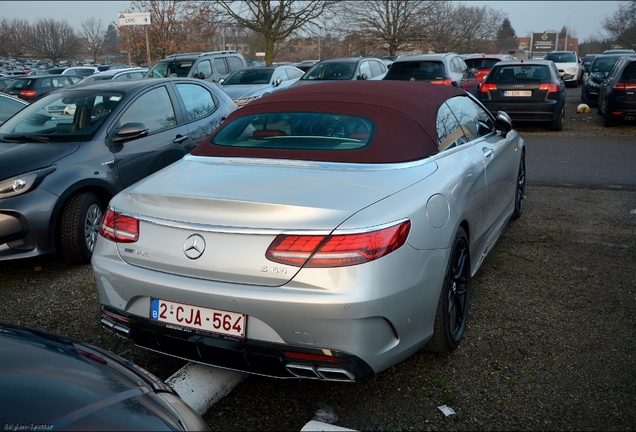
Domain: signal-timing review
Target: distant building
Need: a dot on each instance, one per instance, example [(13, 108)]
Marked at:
[(573, 44)]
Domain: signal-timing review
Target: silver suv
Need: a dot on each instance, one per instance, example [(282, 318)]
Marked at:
[(209, 66)]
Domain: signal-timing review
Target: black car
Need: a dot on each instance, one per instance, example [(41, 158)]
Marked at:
[(344, 69), (32, 88), (10, 105), (67, 154), (59, 383), (531, 91), (448, 69), (617, 93), (597, 72), (587, 61)]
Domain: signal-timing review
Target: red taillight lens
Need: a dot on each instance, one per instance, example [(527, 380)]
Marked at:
[(446, 81), (550, 87), (337, 250), (486, 87), (317, 357), (28, 93), (119, 228), (621, 85)]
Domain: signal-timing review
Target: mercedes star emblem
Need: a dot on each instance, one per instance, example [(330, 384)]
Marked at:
[(194, 246)]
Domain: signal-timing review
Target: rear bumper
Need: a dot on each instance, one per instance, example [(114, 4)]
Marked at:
[(546, 110), (251, 356), (359, 326)]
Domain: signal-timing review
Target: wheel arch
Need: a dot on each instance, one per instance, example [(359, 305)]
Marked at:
[(103, 191)]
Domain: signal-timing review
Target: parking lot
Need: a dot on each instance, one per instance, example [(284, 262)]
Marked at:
[(549, 344)]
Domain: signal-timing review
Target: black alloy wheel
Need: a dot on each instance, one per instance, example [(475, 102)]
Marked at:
[(452, 308), (520, 192)]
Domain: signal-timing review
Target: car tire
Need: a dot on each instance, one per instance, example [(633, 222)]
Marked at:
[(557, 124), (452, 307), (79, 227), (520, 190)]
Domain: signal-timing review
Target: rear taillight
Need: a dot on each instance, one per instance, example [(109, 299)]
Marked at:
[(446, 81), (622, 85), (28, 93), (119, 228), (486, 87), (337, 250), (550, 87)]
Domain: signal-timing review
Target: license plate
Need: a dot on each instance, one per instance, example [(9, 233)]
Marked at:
[(524, 93), (200, 318)]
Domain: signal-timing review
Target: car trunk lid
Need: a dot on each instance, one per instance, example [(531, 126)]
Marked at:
[(213, 219)]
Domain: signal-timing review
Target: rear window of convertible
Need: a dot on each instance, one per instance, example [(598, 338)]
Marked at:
[(298, 131)]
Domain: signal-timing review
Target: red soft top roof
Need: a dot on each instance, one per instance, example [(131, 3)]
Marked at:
[(405, 114)]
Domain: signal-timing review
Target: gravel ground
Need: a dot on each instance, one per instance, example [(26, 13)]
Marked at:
[(549, 345)]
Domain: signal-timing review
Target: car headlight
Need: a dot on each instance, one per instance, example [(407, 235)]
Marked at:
[(23, 183)]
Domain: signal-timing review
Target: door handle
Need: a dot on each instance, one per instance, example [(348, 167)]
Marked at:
[(180, 138), (488, 152)]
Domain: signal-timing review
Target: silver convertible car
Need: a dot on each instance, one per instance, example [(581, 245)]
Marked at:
[(322, 232)]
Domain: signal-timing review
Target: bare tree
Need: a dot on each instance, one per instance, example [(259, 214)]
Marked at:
[(275, 20), (394, 24), (93, 35), (18, 38), (5, 31), (621, 26), (54, 39), (461, 27)]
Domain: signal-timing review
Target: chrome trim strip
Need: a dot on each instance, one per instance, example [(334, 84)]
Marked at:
[(250, 231)]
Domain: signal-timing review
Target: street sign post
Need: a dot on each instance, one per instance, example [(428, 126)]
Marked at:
[(136, 19), (140, 18)]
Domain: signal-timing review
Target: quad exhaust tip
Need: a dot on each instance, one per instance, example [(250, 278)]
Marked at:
[(118, 329), (325, 373)]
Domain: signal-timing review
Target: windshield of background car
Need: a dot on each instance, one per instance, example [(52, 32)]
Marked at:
[(561, 57), (250, 76), (20, 84), (603, 64), (519, 72), (481, 63), (298, 130), (416, 70), (330, 71), (168, 68), (64, 116)]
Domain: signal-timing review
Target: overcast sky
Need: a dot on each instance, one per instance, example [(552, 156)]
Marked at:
[(525, 16)]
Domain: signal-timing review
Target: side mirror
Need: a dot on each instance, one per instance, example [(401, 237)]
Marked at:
[(221, 81), (277, 82), (504, 123), (131, 131), (474, 71), (600, 75), (363, 76)]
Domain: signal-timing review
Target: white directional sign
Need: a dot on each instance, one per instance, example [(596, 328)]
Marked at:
[(141, 18)]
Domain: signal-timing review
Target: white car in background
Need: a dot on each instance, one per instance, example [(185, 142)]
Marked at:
[(569, 65)]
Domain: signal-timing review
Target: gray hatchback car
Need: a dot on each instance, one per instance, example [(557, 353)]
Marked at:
[(65, 155)]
